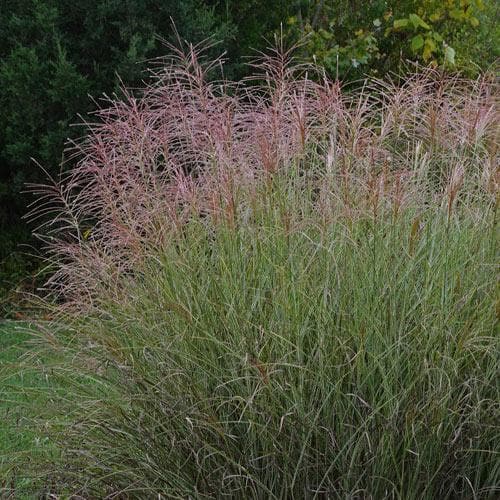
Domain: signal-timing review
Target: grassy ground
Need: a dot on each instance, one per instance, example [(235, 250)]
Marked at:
[(19, 389)]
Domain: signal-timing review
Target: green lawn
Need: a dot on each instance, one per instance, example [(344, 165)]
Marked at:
[(18, 388)]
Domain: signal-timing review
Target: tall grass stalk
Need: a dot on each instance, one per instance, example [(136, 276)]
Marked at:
[(277, 291)]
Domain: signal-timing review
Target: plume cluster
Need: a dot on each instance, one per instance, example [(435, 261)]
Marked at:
[(192, 145)]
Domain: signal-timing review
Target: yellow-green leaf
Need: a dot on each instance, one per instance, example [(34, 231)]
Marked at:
[(429, 48), (417, 42), (435, 17), (456, 14), (417, 21), (400, 23), (449, 55)]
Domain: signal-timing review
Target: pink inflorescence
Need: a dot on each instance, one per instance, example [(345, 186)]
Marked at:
[(192, 145)]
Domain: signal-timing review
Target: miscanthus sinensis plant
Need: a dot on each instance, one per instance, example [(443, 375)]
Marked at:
[(276, 289)]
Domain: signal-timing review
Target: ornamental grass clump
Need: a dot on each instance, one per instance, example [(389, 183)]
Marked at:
[(275, 289)]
